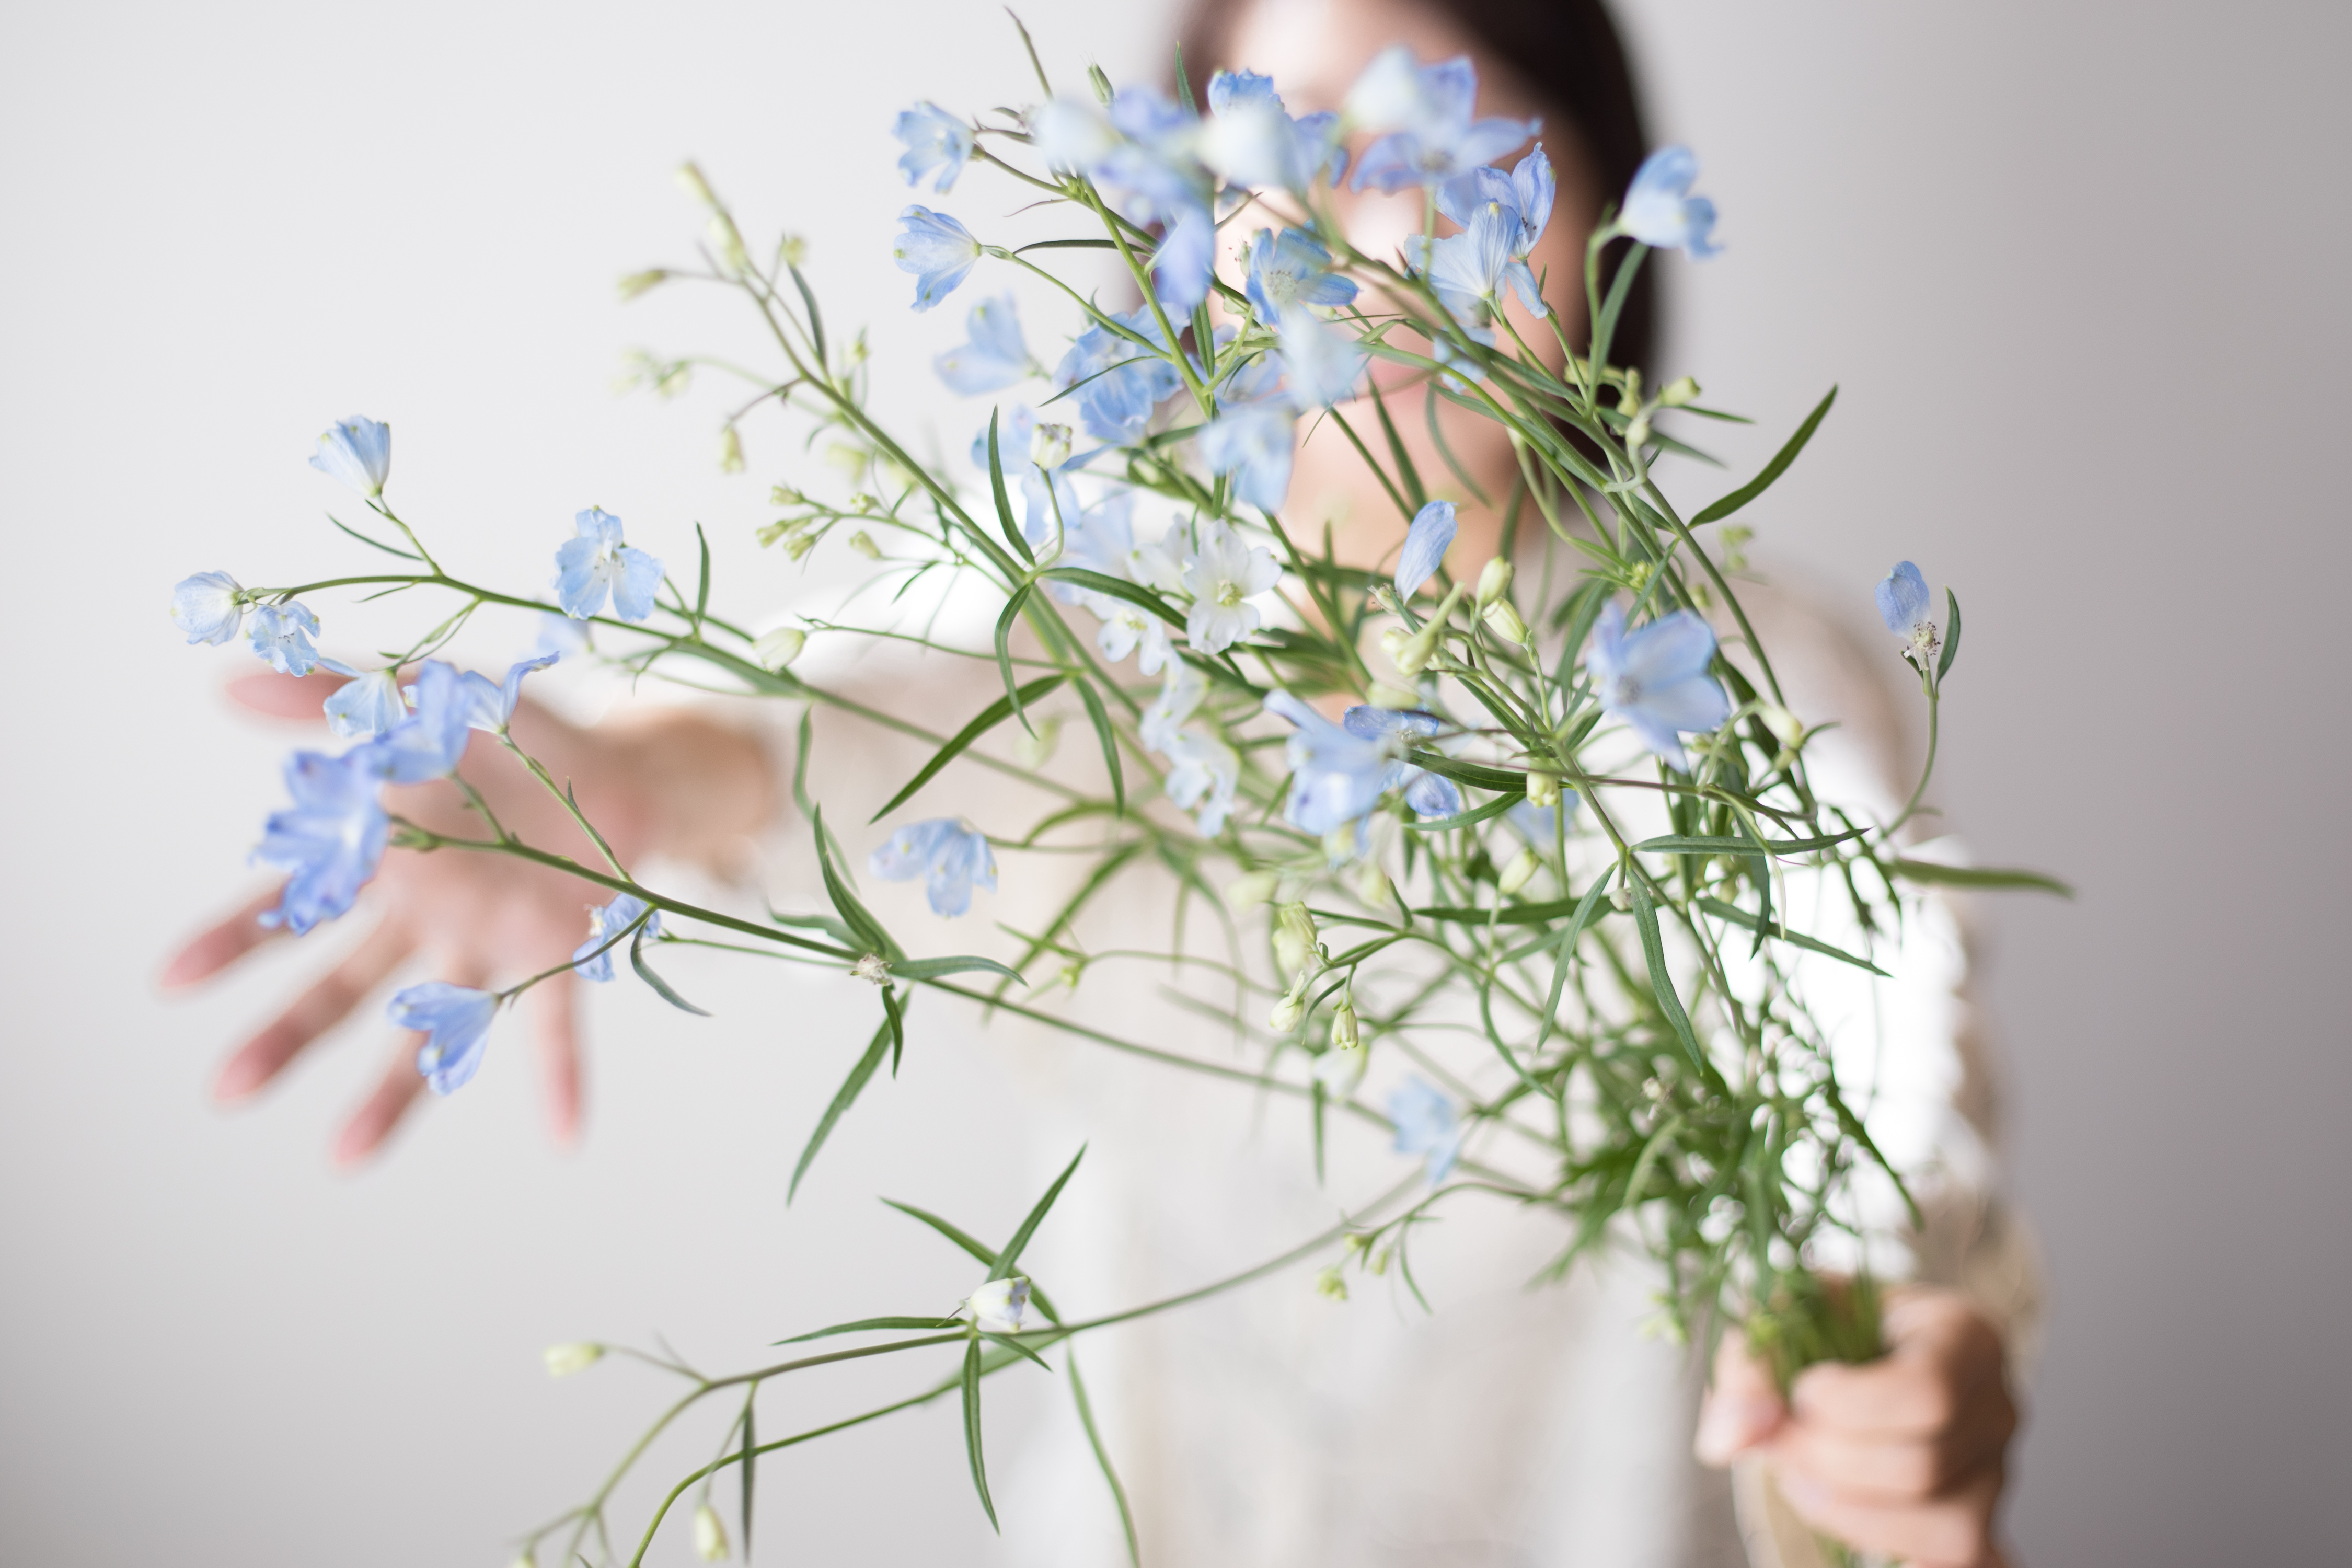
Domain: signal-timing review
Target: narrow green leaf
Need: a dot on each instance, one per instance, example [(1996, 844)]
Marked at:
[(1064, 245), (990, 717), (854, 914), (815, 317), (1006, 1342), (1102, 1457), (1654, 952), (1184, 84), (1486, 813), (1977, 877), (1012, 534), (1708, 844), (661, 986), (751, 1457), (702, 587), (1511, 915), (896, 1023), (1407, 475), (1620, 289), (876, 1325), (828, 924), (935, 968), (842, 1100), (1437, 439), (1741, 917), (1108, 738), (1004, 650), (962, 1239), (972, 1431), (1951, 635), (1460, 772), (1717, 511), (1134, 594), (1566, 952), (1029, 44), (1002, 1268)]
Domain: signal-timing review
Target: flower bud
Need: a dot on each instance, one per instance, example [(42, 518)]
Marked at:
[(1503, 619), (1344, 1035), (1392, 642), (1786, 727), (1329, 1284), (872, 966), (730, 452), (526, 1558), (1291, 1008), (800, 544), (1294, 938), (1631, 398), (1372, 887), (1051, 448), (1396, 698), (1520, 872), (562, 1361), (1414, 656), (1035, 750), (1251, 889), (636, 283), (1493, 581), (863, 543), (689, 180), (1637, 434), (998, 1306), (725, 240), (710, 1535), (784, 495), (1378, 596), (1543, 788), (779, 647), (1678, 392), (1100, 82), (793, 250)]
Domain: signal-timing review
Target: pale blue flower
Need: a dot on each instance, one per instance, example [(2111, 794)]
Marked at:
[(1660, 211), (366, 705), (1527, 191), (994, 359), (1428, 793), (1016, 433), (330, 841), (1337, 774), (1255, 443), (1119, 382), (1049, 502), (1902, 599), (281, 636), (1437, 137), (594, 561), (937, 250), (1655, 680), (1320, 362), (208, 607), (934, 139), (1181, 691), (1204, 774), (1225, 572), (1425, 544), (357, 451), (1253, 143), (560, 635), (948, 853), (1292, 268), (603, 925), (1185, 258), (431, 741), (1427, 1124), (490, 704), (1470, 270), (456, 1020)]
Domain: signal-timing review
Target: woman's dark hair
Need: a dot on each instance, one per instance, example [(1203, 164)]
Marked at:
[(1568, 56)]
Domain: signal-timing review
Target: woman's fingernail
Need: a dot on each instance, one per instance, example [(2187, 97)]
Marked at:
[(1729, 1423)]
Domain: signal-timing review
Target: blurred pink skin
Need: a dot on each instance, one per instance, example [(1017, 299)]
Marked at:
[(1903, 1455), (674, 784)]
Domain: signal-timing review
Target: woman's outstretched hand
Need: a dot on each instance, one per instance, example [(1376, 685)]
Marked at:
[(1904, 1455), (674, 783)]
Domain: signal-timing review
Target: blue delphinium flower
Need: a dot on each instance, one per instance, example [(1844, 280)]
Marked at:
[(1470, 270), (603, 925), (994, 359), (1660, 210), (1432, 107), (1254, 144), (934, 139), (1425, 544), (456, 1020), (490, 704), (1527, 191), (1320, 363), (281, 636), (1903, 604), (208, 606), (1255, 443), (1292, 268), (595, 560), (1654, 680), (431, 741), (1017, 432), (1427, 793), (937, 250), (560, 635), (365, 706), (1123, 381), (330, 841), (357, 451), (1336, 776), (1427, 1124), (950, 856)]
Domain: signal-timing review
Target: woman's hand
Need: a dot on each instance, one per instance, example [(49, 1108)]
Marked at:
[(674, 784), (1904, 1455)]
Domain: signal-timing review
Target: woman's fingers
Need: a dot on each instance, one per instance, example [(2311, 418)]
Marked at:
[(394, 1092), (1742, 1407), (555, 1026), (287, 695), (1951, 1532), (218, 946), (1877, 1468), (316, 1010), (1941, 1357)]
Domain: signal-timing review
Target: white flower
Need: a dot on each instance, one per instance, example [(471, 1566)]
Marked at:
[(1223, 578), (206, 606), (1127, 627), (357, 451), (710, 1535), (1207, 773), (1181, 691), (872, 966), (562, 1361), (777, 648), (1161, 565), (998, 1307)]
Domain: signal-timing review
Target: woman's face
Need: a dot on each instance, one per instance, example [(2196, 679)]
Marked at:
[(1314, 51)]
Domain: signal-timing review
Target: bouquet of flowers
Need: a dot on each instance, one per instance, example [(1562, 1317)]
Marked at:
[(1553, 803)]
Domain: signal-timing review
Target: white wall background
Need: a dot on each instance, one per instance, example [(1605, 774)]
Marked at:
[(2075, 266)]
